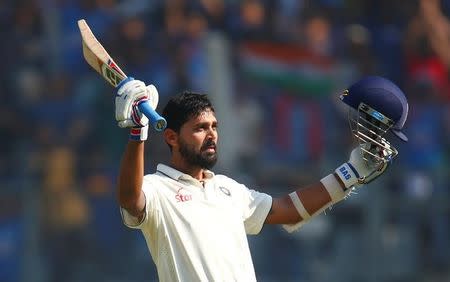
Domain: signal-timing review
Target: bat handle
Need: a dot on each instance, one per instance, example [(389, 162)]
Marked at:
[(158, 122)]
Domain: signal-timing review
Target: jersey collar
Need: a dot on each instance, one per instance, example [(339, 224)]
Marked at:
[(178, 175)]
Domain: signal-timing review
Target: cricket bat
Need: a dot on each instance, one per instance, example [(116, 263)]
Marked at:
[(97, 57)]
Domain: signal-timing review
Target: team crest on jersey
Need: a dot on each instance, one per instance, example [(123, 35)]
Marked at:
[(225, 191), (183, 196)]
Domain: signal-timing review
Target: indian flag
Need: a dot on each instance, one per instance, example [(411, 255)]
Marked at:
[(289, 67)]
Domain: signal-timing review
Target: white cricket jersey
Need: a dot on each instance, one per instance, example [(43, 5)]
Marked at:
[(199, 232)]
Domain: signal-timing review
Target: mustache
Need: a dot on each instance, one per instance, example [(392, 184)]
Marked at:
[(209, 143)]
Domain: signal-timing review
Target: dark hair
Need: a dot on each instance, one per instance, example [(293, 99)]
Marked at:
[(183, 107)]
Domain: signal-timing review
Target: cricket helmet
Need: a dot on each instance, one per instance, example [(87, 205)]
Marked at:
[(377, 106)]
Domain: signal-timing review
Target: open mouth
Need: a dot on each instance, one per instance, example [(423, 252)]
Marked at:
[(209, 148)]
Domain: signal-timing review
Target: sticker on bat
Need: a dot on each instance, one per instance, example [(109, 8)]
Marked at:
[(111, 72)]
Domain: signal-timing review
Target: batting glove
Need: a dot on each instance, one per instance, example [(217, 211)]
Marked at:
[(130, 94), (358, 171)]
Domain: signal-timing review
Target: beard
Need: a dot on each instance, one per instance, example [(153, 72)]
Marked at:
[(202, 159)]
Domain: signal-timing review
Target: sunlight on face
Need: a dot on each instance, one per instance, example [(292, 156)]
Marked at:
[(198, 140)]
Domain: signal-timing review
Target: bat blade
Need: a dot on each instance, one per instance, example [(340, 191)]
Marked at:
[(97, 57)]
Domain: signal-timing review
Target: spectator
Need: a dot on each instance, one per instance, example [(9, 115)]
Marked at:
[(65, 214)]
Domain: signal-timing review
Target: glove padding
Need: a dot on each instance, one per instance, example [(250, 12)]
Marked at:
[(129, 95), (358, 171)]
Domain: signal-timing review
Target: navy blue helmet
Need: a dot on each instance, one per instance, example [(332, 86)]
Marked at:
[(383, 96), (377, 106)]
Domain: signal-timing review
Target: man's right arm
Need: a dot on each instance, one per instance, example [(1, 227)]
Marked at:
[(130, 94), (131, 175)]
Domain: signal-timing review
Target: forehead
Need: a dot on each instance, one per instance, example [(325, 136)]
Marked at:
[(205, 116)]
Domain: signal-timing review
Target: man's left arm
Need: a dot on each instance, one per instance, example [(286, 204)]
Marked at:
[(299, 206), (313, 198)]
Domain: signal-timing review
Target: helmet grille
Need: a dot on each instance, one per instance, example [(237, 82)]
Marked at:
[(369, 127)]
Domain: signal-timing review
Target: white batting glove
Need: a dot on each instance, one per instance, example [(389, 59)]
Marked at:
[(358, 171), (129, 95)]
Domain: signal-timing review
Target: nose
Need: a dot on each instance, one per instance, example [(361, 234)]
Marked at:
[(212, 134)]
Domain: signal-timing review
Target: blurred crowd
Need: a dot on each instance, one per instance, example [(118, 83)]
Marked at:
[(287, 60)]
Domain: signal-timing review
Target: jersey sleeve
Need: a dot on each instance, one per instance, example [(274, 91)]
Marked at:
[(149, 194), (255, 207)]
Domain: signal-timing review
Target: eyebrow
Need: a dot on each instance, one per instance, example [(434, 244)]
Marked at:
[(203, 123)]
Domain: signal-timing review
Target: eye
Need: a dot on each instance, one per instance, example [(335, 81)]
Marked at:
[(200, 128)]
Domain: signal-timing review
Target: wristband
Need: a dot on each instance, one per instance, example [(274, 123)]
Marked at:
[(348, 174), (334, 188), (139, 133), (336, 192), (299, 206)]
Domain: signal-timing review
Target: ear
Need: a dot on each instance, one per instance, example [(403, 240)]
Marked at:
[(171, 137)]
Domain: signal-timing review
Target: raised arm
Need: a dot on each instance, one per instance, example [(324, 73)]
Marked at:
[(131, 174), (376, 106), (438, 28), (299, 206), (130, 94)]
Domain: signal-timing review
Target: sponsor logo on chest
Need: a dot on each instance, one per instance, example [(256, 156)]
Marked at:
[(183, 196)]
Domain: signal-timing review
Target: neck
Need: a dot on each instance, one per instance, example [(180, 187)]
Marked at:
[(194, 171)]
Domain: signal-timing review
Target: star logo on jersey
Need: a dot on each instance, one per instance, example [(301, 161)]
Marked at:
[(225, 191), (182, 196)]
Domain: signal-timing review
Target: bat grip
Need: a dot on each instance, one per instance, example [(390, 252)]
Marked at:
[(158, 122)]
